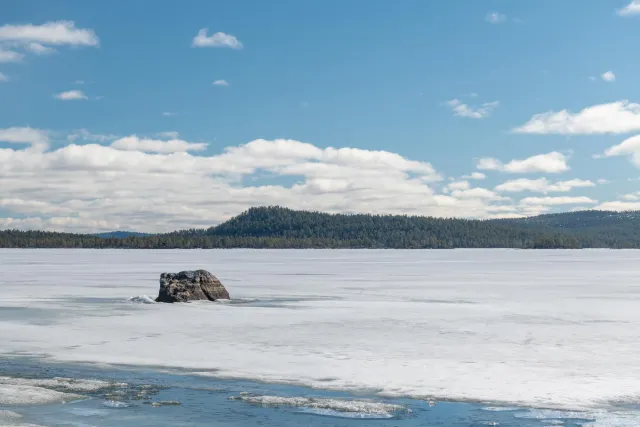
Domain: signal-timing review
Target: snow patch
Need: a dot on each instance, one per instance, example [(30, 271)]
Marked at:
[(352, 408), (142, 299), (66, 384), (501, 409), (11, 394), (115, 404)]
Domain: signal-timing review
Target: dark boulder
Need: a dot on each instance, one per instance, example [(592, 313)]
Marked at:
[(190, 286)]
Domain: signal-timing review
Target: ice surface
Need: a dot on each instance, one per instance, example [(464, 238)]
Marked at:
[(9, 415), (66, 384), (554, 329), (142, 299), (354, 408), (115, 404), (11, 419), (13, 394)]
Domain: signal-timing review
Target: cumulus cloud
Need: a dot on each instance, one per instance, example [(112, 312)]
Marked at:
[(133, 143), (7, 55), (632, 8), (172, 134), (629, 147), (458, 185), (39, 49), (554, 201), (164, 183), (609, 76), (221, 83), (632, 196), (71, 95), (553, 162), (85, 135), (36, 138), (474, 175), (612, 118), (477, 193), (542, 185), (159, 185), (464, 110), (202, 39), (53, 33), (495, 17), (618, 206)]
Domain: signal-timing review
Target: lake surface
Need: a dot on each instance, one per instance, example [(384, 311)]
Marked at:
[(552, 335)]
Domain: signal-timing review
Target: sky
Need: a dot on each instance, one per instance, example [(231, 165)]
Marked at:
[(130, 116)]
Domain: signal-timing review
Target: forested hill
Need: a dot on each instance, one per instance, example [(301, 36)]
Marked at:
[(276, 227)]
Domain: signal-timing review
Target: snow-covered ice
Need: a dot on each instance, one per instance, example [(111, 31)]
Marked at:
[(554, 329), (350, 408), (16, 394)]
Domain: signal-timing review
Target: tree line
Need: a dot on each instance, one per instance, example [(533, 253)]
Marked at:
[(282, 228)]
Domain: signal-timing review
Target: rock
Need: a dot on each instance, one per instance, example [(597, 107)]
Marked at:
[(190, 286)]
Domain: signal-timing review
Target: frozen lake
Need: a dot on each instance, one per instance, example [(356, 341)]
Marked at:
[(546, 329)]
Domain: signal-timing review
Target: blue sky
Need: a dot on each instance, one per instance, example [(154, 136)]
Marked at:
[(110, 117)]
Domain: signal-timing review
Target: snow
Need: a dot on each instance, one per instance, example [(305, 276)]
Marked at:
[(115, 404), (350, 408), (550, 329), (66, 384), (14, 394), (142, 299)]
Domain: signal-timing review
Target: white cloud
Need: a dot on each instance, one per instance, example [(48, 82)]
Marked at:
[(632, 8), (54, 33), (609, 76), (157, 185), (553, 162), (495, 17), (555, 201), (464, 110), (221, 83), (614, 118), (542, 185), (10, 56), (71, 95), (85, 135), (489, 163), (618, 206), (477, 193), (39, 49), (632, 196), (168, 114), (3, 78), (36, 138), (474, 175), (603, 181), (133, 143), (629, 147), (458, 185), (169, 134), (215, 40)]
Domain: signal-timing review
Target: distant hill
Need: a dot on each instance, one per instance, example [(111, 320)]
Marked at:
[(277, 227), (610, 229)]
